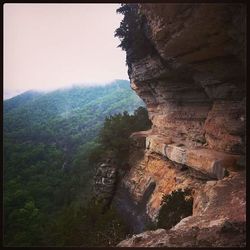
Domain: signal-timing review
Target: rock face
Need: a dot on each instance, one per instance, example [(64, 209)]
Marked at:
[(219, 219), (105, 182), (193, 84)]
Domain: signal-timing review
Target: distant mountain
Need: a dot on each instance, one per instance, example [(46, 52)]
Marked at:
[(8, 94), (66, 117), (47, 139), (20, 100), (77, 111)]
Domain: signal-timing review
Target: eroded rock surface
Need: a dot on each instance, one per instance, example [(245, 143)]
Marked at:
[(193, 83), (219, 219), (105, 182)]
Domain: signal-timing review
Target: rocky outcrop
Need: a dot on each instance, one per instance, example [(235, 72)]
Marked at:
[(160, 174), (192, 81), (105, 182), (194, 84), (212, 224)]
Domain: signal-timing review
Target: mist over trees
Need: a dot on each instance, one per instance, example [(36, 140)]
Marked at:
[(52, 143)]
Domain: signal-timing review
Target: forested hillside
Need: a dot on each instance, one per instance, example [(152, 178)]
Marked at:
[(48, 138)]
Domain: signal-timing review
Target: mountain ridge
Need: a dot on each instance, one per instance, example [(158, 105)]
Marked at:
[(47, 142)]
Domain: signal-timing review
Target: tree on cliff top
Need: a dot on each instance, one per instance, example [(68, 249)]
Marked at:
[(132, 33), (114, 135), (127, 25)]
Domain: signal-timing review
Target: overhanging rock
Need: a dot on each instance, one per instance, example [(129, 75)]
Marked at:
[(207, 161)]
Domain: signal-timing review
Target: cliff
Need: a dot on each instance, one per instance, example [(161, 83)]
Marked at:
[(187, 62)]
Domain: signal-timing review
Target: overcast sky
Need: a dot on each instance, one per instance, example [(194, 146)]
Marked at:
[(48, 46)]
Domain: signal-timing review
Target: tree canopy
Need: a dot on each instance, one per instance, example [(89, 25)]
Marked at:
[(50, 149)]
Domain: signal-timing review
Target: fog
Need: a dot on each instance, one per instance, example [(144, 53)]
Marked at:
[(49, 46)]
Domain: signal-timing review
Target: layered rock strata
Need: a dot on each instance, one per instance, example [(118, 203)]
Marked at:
[(193, 84)]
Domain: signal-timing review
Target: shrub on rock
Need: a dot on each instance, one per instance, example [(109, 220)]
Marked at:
[(175, 207)]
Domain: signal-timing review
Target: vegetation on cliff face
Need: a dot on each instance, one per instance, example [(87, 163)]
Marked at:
[(175, 207), (114, 135), (133, 41), (129, 22), (93, 224), (49, 145)]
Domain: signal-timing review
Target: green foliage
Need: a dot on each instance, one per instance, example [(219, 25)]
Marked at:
[(127, 25), (87, 226), (32, 181), (50, 149), (114, 135), (67, 117), (131, 33), (176, 206)]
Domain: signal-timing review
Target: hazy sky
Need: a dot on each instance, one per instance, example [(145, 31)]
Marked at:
[(47, 46)]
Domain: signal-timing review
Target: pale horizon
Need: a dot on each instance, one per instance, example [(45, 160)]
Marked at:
[(8, 95), (51, 46)]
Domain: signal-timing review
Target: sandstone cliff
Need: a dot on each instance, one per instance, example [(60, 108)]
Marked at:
[(190, 72)]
